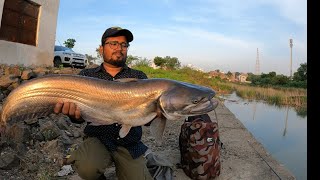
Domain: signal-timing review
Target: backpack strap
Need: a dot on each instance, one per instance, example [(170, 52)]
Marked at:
[(203, 117)]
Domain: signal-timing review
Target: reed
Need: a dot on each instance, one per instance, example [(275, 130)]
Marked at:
[(279, 96)]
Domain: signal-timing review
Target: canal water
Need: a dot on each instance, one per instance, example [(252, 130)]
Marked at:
[(281, 130)]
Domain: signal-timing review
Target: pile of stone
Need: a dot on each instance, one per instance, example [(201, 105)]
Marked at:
[(12, 76), (34, 148)]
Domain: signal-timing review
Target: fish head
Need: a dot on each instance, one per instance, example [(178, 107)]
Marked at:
[(186, 99)]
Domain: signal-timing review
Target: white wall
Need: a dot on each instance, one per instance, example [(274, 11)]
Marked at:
[(42, 53)]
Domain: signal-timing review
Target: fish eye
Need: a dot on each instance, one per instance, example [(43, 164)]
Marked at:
[(195, 101)]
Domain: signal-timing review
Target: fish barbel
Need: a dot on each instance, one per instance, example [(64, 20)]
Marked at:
[(129, 102)]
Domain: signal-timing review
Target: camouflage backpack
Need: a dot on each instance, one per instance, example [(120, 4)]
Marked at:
[(200, 148)]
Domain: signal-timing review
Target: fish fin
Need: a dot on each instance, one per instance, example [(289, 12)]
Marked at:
[(126, 80), (157, 127), (124, 130)]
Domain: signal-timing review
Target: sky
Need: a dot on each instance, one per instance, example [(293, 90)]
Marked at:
[(229, 35)]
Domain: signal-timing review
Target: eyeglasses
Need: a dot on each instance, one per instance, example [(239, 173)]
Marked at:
[(115, 44)]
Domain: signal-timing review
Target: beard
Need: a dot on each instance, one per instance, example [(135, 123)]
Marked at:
[(118, 62)]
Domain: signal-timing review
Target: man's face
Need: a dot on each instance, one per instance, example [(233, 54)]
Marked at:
[(114, 54)]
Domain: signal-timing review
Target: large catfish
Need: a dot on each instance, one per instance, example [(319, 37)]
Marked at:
[(129, 102)]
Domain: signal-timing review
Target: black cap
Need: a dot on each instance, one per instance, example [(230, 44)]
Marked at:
[(116, 31)]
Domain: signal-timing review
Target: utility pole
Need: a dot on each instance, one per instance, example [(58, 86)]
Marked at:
[(257, 64), (291, 44)]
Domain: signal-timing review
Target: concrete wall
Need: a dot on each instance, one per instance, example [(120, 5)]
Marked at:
[(42, 53)]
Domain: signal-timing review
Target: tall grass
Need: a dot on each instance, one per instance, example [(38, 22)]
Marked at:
[(279, 96)]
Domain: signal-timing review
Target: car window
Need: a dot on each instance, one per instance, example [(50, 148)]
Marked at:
[(62, 48)]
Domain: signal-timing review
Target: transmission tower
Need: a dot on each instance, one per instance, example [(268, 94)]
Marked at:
[(257, 64)]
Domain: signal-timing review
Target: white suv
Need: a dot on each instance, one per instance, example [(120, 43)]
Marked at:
[(67, 57)]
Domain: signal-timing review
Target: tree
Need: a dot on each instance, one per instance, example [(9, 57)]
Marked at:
[(159, 61), (132, 59), (272, 74), (69, 43), (167, 62), (172, 62), (229, 74), (301, 74), (98, 52), (250, 76), (279, 80), (142, 62)]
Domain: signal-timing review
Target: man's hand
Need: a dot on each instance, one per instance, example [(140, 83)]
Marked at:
[(68, 108)]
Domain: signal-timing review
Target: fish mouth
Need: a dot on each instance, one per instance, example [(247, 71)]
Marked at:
[(204, 107)]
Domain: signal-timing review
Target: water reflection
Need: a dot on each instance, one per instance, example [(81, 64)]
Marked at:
[(285, 126), (254, 109), (301, 111), (281, 129)]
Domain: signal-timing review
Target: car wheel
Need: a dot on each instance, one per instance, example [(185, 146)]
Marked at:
[(57, 62)]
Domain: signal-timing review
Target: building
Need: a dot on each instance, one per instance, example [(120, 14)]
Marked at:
[(243, 77), (27, 31)]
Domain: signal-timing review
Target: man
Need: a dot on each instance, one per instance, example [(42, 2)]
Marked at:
[(103, 145)]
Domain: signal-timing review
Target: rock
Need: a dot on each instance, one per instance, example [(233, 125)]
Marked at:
[(40, 71), (1, 96), (51, 146), (65, 170), (62, 124), (14, 70), (31, 121), (28, 74), (7, 80), (19, 133), (65, 138), (13, 85), (33, 167), (76, 134), (39, 137), (68, 133), (49, 130), (8, 159)]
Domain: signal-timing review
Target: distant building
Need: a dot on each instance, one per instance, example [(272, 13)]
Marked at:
[(217, 73), (242, 77), (214, 73), (27, 31)]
